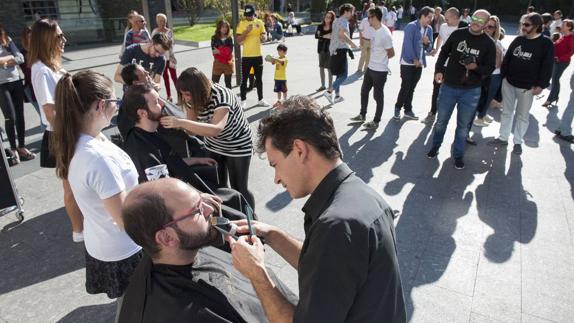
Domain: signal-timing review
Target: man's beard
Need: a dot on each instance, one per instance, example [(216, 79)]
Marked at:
[(152, 116), (196, 241)]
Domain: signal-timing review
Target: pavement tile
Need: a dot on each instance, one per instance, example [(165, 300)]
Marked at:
[(435, 304)]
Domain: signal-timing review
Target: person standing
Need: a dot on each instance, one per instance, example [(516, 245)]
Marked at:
[(417, 43), (400, 12), (339, 48), (526, 71), (378, 68), (347, 266), (171, 62), (27, 71), (556, 25), (466, 17), (365, 32), (100, 174), (323, 36), (250, 33), (222, 48), (453, 22), (214, 113), (47, 44), (138, 34), (391, 20), (471, 56), (564, 131), (563, 51), (12, 97), (413, 13), (437, 20)]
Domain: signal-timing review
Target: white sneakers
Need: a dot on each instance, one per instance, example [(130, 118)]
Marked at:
[(263, 103)]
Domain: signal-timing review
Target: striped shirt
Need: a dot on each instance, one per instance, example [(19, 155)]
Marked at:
[(235, 139)]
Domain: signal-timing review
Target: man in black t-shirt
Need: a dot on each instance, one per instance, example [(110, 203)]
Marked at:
[(471, 56)]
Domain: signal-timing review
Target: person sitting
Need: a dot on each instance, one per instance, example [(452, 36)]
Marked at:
[(182, 278), (276, 30), (147, 148), (294, 23)]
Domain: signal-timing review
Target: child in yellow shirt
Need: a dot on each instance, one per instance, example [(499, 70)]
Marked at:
[(280, 71)]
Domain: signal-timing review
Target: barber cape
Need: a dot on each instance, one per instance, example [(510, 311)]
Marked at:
[(209, 290)]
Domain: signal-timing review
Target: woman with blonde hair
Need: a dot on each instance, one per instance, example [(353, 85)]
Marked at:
[(492, 29), (222, 48), (47, 44), (100, 175), (12, 97), (161, 21)]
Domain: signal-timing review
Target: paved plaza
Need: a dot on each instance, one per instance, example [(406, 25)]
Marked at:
[(493, 242)]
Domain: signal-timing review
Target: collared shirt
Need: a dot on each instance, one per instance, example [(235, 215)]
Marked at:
[(336, 42), (348, 267)]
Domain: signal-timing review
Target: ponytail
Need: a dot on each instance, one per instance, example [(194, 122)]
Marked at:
[(74, 97)]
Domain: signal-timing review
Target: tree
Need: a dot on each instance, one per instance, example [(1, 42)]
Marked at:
[(193, 8)]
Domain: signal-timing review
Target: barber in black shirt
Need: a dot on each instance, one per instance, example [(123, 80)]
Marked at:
[(471, 56), (347, 265)]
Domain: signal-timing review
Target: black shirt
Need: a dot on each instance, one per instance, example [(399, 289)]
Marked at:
[(206, 291), (348, 267), (528, 62), (322, 43), (462, 43)]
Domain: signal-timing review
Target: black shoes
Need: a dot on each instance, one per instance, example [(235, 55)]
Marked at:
[(458, 163), (517, 149), (432, 153)]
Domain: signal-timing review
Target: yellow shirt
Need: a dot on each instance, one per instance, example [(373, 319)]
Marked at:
[(281, 69), (252, 42)]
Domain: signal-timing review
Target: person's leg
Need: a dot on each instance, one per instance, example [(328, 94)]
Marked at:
[(215, 78), (406, 79), (481, 106), (416, 76), (507, 117), (258, 66), (238, 168), (466, 110), (565, 128), (9, 113), (556, 75), (380, 78), (446, 101), (72, 209), (322, 74), (523, 104), (17, 93), (166, 81), (493, 87), (245, 67), (365, 90), (227, 79), (340, 78), (173, 74), (330, 87), (435, 90)]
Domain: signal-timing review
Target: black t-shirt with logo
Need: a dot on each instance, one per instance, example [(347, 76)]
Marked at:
[(528, 62), (460, 44)]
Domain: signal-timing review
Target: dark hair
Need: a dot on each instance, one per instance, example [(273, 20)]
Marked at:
[(530, 9), (161, 39), (569, 23), (129, 75), (4, 39), (376, 11), (220, 24), (25, 38), (546, 18), (43, 44), (134, 100), (558, 12), (425, 11), (282, 47), (74, 96), (143, 216), (194, 81), (312, 125), (333, 17), (536, 20), (345, 7)]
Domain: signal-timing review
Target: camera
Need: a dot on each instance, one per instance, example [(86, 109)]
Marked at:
[(466, 59)]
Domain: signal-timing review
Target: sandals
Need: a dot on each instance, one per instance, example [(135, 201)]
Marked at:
[(25, 154)]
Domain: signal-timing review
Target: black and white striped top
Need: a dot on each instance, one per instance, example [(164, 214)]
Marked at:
[(235, 139)]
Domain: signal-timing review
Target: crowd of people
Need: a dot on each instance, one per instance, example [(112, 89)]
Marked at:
[(150, 241)]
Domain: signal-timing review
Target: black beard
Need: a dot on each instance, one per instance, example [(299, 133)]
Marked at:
[(196, 241), (154, 116)]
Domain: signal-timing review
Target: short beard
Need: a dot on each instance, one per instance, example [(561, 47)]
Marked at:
[(154, 116), (196, 241), (475, 32)]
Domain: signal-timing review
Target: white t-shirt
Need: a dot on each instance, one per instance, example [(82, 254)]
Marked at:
[(380, 42), (391, 19), (100, 170), (503, 50), (445, 31), (555, 24), (44, 81), (366, 29)]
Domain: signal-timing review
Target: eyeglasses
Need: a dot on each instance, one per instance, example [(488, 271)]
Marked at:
[(491, 27), (478, 20), (116, 101), (200, 210), (526, 24)]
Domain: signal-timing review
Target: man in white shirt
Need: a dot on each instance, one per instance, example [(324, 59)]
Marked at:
[(557, 23), (376, 75), (366, 32), (400, 11)]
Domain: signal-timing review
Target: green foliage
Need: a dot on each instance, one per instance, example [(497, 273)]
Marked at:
[(197, 32)]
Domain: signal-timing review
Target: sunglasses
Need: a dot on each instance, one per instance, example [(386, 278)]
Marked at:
[(480, 21), (490, 27), (200, 210), (526, 24)]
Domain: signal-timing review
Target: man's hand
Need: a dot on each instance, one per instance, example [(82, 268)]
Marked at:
[(471, 66), (261, 229), (249, 28), (169, 122), (438, 78), (248, 257), (433, 52), (536, 90), (425, 40), (417, 63)]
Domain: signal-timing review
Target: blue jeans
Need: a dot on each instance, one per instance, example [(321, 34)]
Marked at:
[(495, 82), (465, 101), (568, 115), (556, 74), (341, 78)]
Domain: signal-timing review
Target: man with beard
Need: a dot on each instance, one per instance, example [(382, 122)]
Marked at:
[(182, 278)]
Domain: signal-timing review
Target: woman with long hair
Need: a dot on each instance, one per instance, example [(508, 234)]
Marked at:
[(100, 175), (492, 29), (323, 36), (214, 112), (12, 97), (222, 48), (47, 44), (161, 21), (563, 51), (28, 88)]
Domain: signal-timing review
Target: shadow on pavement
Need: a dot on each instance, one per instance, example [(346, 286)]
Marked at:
[(568, 155), (93, 313), (37, 250)]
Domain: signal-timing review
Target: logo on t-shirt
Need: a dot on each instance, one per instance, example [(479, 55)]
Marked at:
[(518, 53), (462, 47)]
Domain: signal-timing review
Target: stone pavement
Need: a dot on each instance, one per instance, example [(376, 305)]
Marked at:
[(492, 242)]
